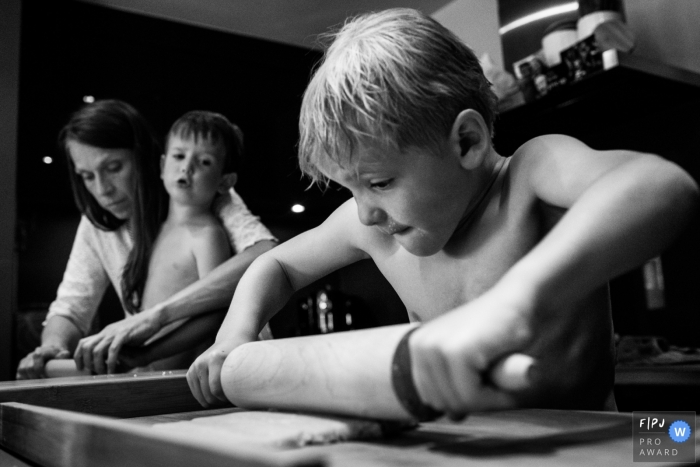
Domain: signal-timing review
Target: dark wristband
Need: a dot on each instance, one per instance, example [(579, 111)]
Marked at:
[(404, 387)]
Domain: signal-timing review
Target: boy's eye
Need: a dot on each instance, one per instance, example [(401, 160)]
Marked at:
[(86, 177), (206, 162), (178, 156), (381, 184)]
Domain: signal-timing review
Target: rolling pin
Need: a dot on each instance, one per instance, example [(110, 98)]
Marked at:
[(363, 373), (59, 368)]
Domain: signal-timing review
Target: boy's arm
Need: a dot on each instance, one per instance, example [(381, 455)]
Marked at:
[(210, 248), (266, 287), (622, 208)]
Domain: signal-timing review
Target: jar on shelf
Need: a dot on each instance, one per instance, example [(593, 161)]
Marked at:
[(558, 36), (595, 12)]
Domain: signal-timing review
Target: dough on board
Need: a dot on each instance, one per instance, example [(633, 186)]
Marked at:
[(281, 429)]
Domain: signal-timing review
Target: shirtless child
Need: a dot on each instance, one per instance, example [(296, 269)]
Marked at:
[(200, 161), (493, 254)]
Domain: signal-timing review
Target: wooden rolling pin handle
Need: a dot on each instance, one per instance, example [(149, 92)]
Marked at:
[(509, 373), (512, 372)]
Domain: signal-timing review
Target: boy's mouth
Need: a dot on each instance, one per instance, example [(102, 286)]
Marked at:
[(183, 182), (394, 229)]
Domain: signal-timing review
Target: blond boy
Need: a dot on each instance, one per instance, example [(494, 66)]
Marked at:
[(494, 254)]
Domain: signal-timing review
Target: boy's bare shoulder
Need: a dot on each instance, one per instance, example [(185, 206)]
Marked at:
[(557, 169), (206, 228), (537, 154)]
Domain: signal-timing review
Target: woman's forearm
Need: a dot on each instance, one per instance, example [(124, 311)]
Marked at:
[(213, 291), (187, 336), (61, 333)]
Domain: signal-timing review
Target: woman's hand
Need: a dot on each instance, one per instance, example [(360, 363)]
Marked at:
[(32, 366), (100, 352), (204, 375)]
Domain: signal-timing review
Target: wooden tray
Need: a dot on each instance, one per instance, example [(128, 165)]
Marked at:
[(54, 437)]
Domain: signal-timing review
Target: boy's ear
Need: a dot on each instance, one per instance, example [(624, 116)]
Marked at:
[(227, 182), (162, 164), (471, 137)]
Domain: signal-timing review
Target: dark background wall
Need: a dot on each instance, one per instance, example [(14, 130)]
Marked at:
[(9, 85)]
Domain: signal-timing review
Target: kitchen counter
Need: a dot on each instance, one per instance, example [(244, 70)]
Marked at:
[(50, 436)]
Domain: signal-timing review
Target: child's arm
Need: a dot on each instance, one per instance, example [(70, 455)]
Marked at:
[(267, 285), (210, 248), (623, 208)]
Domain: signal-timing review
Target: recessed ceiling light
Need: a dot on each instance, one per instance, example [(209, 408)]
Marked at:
[(47, 160), (298, 208), (88, 99)]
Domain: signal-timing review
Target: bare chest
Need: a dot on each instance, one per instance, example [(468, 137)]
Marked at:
[(432, 286), (172, 267)]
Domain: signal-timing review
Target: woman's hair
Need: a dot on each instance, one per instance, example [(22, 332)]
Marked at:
[(113, 124), (202, 124), (395, 79)]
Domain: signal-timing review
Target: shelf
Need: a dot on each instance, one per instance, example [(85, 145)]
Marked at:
[(605, 107), (666, 375)]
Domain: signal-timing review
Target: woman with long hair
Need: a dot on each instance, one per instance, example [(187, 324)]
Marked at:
[(113, 160)]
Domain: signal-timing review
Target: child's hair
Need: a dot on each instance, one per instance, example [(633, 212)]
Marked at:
[(113, 124), (202, 124), (394, 79)]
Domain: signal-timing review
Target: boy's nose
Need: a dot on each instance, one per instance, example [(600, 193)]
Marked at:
[(186, 167), (370, 215)]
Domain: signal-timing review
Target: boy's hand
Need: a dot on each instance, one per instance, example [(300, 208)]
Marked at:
[(32, 366), (99, 353), (204, 375), (453, 355)]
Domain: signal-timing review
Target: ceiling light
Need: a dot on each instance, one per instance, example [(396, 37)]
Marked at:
[(88, 99), (47, 160), (298, 208), (538, 15)]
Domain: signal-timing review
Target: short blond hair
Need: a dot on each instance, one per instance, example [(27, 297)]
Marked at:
[(395, 78)]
